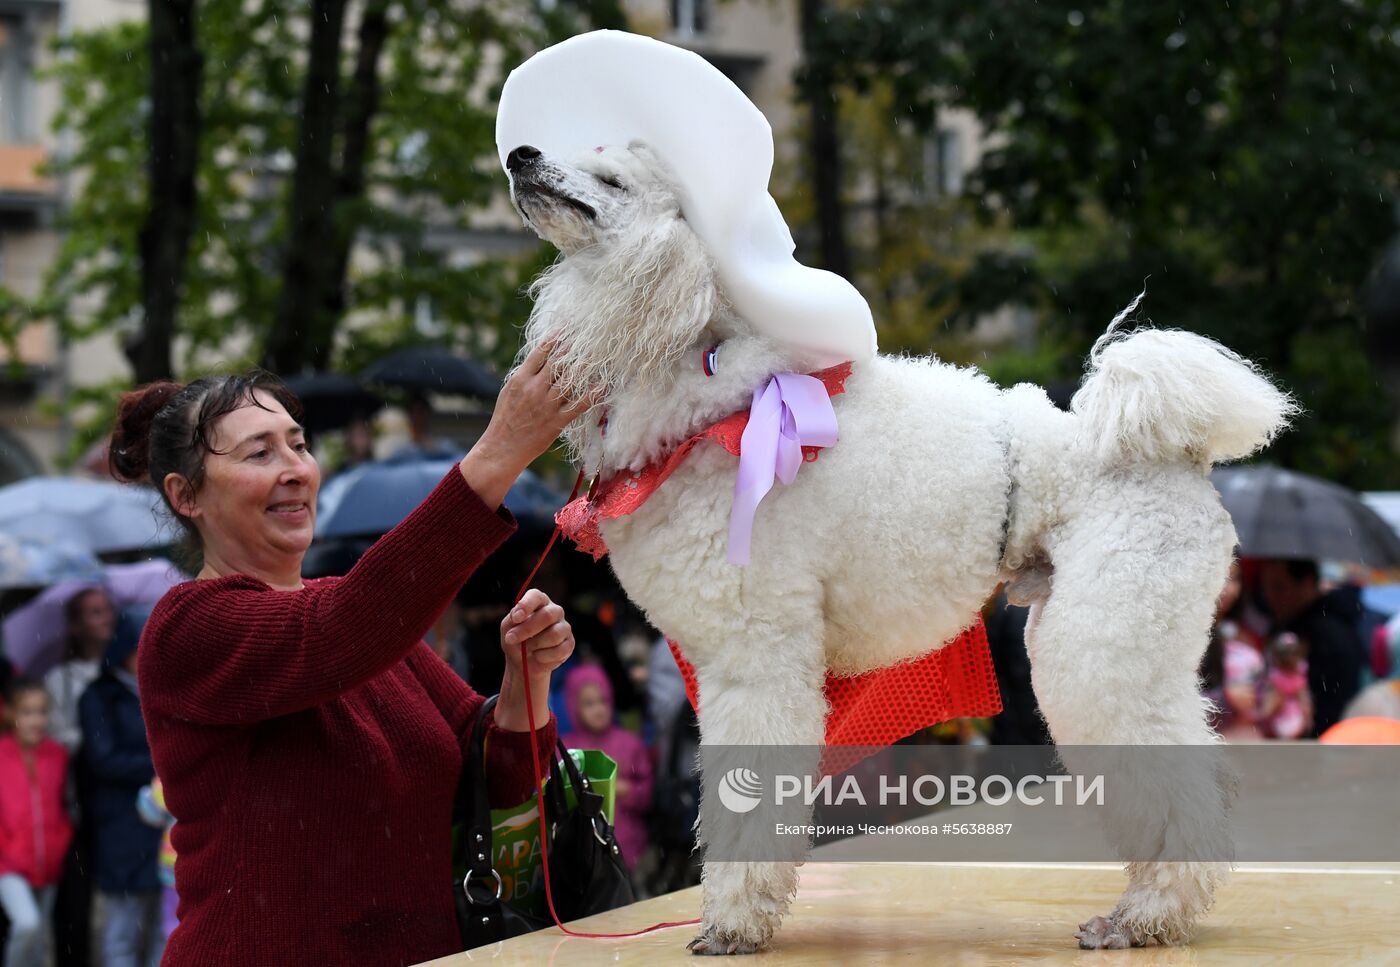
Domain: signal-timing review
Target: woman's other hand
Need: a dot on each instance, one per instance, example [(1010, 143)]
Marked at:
[(528, 417), (540, 624)]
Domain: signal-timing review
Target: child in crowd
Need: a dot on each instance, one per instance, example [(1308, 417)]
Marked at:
[(150, 803), (34, 825), (116, 750), (1287, 704), (588, 696), (1232, 670)]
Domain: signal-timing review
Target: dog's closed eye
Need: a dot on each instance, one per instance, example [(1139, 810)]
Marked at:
[(611, 181)]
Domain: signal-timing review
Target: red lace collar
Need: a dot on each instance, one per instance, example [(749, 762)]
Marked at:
[(623, 493)]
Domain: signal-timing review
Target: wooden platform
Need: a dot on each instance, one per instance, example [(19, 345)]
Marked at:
[(993, 915)]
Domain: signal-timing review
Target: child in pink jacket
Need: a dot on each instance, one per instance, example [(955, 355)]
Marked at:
[(588, 695), (34, 826)]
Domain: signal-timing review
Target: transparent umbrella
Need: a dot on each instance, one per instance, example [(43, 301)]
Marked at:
[(31, 562), (34, 633), (101, 516)]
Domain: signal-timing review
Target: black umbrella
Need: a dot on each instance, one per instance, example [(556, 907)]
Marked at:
[(1383, 307), (1282, 514), (430, 369), (331, 400)]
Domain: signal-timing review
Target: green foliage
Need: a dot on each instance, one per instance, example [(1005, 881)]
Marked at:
[(1242, 157), (432, 170), (94, 283)]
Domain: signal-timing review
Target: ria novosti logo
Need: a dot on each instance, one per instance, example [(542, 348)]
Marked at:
[(740, 790)]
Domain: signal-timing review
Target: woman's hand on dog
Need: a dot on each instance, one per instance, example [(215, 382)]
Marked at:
[(529, 415)]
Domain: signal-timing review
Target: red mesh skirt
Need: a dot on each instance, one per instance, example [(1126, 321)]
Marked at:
[(883, 706)]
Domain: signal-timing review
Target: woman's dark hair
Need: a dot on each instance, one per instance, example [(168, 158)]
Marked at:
[(165, 427)]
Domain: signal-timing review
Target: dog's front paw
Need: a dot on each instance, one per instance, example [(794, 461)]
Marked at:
[(1101, 933), (714, 942)]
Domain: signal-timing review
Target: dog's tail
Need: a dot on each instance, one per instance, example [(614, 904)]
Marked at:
[(1159, 394)]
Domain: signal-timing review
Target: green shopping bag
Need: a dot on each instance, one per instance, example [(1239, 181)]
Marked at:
[(515, 833)]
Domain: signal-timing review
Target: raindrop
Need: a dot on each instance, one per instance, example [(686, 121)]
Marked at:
[(1075, 18), (1176, 40)]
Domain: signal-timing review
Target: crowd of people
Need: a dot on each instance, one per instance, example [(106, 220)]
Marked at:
[(76, 769), (1290, 655), (74, 848), (1288, 658)]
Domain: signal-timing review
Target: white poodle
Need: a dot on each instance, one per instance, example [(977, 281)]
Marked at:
[(942, 485)]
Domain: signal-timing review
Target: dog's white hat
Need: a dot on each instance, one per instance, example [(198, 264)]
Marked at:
[(608, 88)]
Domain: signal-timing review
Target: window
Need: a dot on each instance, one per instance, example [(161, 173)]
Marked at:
[(16, 80), (944, 164), (690, 16)]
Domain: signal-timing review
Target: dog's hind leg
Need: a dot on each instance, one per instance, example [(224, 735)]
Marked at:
[(765, 692), (1114, 655)]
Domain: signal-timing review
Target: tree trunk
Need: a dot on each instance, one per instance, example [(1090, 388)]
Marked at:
[(361, 104), (309, 261), (177, 69), (825, 143)]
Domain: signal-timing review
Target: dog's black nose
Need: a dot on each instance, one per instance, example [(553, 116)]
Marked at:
[(520, 157)]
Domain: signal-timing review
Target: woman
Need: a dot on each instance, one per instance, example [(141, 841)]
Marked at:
[(308, 741), (90, 620)]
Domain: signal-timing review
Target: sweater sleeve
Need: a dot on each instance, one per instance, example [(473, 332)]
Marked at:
[(234, 651), (508, 768)]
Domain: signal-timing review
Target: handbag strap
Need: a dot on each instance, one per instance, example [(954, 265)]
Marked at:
[(557, 802), (474, 804)]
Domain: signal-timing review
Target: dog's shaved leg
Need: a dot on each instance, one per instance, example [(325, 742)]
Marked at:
[(776, 701), (1114, 656)]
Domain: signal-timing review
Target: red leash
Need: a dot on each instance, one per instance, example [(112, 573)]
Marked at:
[(539, 775)]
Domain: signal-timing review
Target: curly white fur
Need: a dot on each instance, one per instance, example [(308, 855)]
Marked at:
[(941, 486), (1153, 394)]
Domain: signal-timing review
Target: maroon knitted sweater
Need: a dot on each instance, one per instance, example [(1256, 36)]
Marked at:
[(310, 744)]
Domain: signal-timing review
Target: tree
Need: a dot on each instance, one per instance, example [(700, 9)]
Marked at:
[(1241, 158), (307, 148), (177, 69), (815, 84)]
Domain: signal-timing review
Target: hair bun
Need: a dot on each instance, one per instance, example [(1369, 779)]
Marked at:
[(130, 453)]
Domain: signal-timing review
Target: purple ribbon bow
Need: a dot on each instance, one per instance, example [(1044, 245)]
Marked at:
[(791, 412)]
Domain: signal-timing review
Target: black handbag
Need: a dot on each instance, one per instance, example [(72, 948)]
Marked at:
[(585, 864)]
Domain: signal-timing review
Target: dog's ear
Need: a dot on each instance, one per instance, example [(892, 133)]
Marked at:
[(667, 271)]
